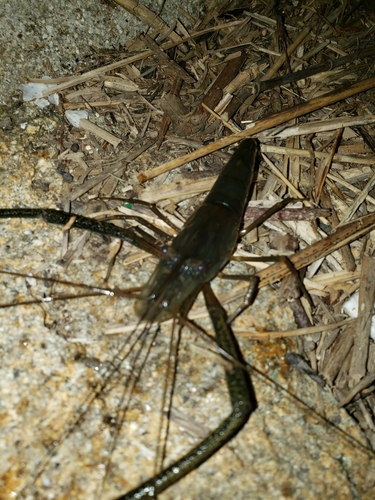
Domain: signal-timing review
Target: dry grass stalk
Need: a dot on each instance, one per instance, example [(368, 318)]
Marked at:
[(317, 126), (358, 365), (322, 171), (293, 333), (362, 384), (368, 160), (103, 134), (344, 235)]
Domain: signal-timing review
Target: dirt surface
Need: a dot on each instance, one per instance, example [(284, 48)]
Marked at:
[(55, 39)]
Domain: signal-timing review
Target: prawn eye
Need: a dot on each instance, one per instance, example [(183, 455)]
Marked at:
[(168, 252)]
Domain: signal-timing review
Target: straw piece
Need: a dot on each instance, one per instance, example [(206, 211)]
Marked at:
[(318, 126), (120, 84), (322, 171), (231, 127), (361, 160), (365, 313), (103, 134), (342, 236), (359, 200), (281, 60), (363, 384), (292, 333), (282, 177), (334, 178)]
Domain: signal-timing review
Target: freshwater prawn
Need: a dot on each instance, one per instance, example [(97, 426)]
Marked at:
[(194, 258), (178, 278)]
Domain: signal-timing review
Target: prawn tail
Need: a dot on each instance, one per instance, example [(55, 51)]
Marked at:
[(232, 187)]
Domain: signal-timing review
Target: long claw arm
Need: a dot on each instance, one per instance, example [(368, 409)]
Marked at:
[(79, 221), (243, 402)]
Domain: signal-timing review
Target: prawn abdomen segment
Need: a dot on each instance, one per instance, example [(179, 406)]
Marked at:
[(209, 235)]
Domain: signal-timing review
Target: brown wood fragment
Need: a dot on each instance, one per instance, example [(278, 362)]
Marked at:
[(226, 75), (338, 354), (358, 365)]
